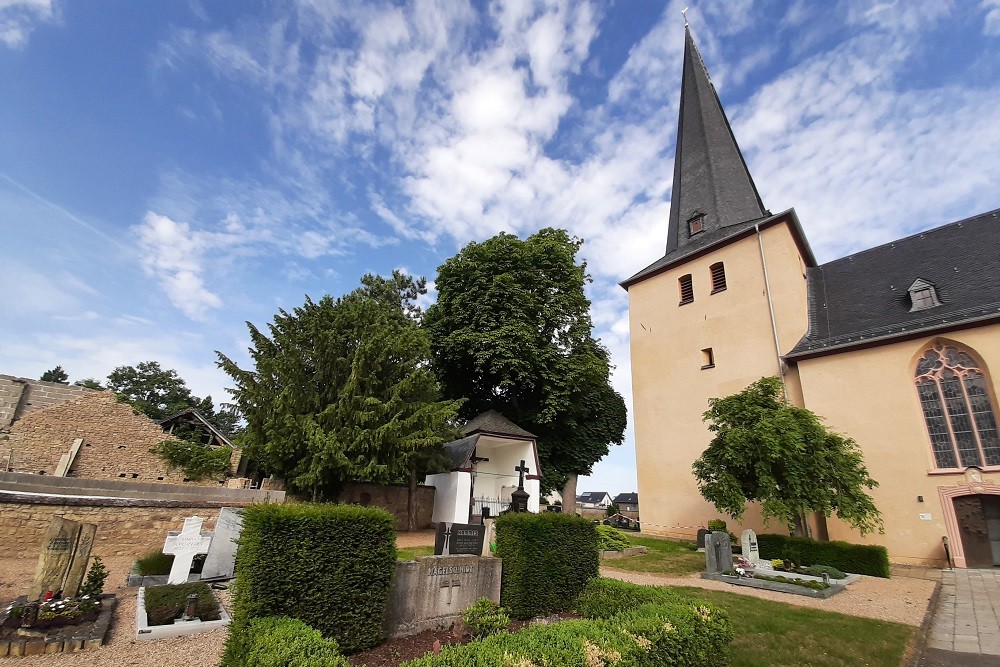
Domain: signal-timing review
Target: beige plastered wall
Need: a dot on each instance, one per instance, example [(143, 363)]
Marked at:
[(671, 390), (869, 395)]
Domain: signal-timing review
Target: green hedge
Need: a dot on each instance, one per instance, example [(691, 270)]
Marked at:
[(604, 598), (547, 560), (278, 641), (867, 559), (329, 566), (683, 633)]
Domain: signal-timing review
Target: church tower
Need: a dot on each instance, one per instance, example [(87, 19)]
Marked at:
[(715, 313)]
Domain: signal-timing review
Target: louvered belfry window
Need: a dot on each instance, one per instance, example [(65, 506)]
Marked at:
[(718, 277), (686, 288), (960, 418)]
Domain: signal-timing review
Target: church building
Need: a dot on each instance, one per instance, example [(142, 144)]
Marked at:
[(892, 346)]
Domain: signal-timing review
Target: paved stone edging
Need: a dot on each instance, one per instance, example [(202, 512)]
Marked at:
[(40, 646)]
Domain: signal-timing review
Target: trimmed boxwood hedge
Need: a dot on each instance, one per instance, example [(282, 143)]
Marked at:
[(330, 566), (278, 641), (869, 559), (604, 598), (680, 633), (547, 560)]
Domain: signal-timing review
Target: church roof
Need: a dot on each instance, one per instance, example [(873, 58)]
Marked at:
[(710, 176), (864, 298), (711, 179), (493, 422)]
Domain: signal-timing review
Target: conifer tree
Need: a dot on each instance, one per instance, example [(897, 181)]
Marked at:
[(341, 390)]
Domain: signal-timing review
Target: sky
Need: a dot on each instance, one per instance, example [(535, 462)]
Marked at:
[(172, 169)]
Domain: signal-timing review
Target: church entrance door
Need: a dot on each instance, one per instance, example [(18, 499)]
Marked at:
[(979, 525)]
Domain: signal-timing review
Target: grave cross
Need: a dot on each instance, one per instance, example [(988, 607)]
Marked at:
[(184, 547), (446, 549), (522, 470), (450, 584)]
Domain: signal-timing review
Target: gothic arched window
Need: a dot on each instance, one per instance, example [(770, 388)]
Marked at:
[(955, 399)]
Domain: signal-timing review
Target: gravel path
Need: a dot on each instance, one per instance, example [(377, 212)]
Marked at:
[(900, 600)]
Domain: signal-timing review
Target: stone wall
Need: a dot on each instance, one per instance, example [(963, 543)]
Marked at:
[(392, 498), (116, 441), (19, 396)]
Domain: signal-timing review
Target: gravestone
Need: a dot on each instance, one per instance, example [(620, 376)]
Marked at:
[(718, 552), (431, 593), (702, 534), (519, 498), (748, 540), (220, 563), (64, 558), (185, 546), (454, 539)]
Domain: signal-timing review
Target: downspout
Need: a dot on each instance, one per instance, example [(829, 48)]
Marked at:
[(770, 310)]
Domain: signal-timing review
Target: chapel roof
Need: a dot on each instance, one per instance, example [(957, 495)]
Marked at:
[(495, 423), (863, 298), (191, 415), (460, 451)]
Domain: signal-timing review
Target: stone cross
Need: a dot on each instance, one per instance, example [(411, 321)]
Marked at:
[(185, 547), (446, 549), (522, 470), (451, 584)]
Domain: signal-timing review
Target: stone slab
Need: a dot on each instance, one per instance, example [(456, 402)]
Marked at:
[(431, 593), (778, 586), (220, 563)]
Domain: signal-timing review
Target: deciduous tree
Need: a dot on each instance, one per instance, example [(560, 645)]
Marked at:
[(341, 390), (768, 451), (156, 392), (511, 330)]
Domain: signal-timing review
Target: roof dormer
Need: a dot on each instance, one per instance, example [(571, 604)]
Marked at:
[(923, 295)]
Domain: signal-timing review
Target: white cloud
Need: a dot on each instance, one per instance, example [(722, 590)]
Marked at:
[(991, 22), (18, 18)]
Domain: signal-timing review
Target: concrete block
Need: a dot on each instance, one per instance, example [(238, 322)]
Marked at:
[(34, 647), (54, 646), (17, 647)]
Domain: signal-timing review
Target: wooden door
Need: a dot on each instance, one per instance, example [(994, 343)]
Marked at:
[(972, 528)]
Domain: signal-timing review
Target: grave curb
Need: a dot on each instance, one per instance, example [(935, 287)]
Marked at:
[(777, 586), (925, 627), (16, 647), (144, 631)]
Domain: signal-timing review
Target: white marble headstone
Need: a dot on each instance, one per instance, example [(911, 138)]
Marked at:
[(750, 549), (220, 563), (184, 547)]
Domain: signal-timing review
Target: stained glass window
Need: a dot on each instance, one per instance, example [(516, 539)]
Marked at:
[(958, 412)]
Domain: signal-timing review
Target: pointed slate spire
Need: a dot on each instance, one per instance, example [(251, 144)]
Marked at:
[(710, 176)]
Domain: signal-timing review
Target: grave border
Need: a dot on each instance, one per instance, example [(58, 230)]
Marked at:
[(144, 631)]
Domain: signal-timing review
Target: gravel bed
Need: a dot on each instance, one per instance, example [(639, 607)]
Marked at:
[(900, 600)]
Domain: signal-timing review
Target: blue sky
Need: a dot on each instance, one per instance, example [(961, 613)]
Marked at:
[(170, 169)]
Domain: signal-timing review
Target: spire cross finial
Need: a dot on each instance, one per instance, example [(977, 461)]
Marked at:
[(685, 15)]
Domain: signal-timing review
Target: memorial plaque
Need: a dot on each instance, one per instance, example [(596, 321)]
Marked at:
[(454, 539)]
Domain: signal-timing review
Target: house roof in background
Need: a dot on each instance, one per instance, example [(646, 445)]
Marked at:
[(592, 496), (631, 498), (492, 421), (864, 298)]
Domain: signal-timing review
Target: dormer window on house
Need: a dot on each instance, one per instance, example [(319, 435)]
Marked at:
[(686, 289), (923, 295), (696, 224), (718, 271)]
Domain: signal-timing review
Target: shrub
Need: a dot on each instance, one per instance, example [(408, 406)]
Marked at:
[(485, 618), (93, 586), (869, 559), (547, 560), (165, 603), (717, 524), (329, 566), (604, 598), (278, 641), (651, 635), (196, 460), (612, 510), (610, 539), (154, 563), (820, 570)]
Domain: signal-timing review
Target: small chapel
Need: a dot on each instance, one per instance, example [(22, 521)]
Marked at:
[(893, 346)]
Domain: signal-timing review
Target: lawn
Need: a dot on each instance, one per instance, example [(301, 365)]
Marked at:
[(663, 556), (772, 634), (412, 553)]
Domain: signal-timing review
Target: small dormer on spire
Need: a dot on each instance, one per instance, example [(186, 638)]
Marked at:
[(712, 186)]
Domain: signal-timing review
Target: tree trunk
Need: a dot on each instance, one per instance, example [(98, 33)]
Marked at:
[(569, 494), (411, 500)]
